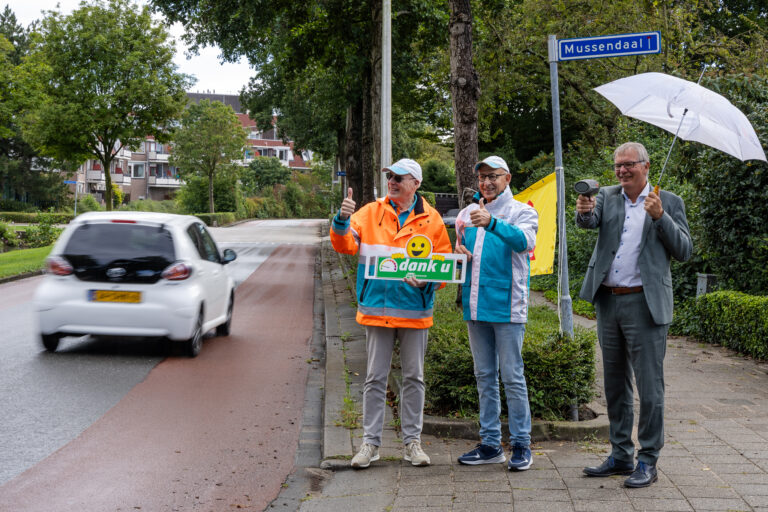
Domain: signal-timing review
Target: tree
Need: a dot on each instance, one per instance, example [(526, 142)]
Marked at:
[(104, 79), (317, 66), (209, 140), (465, 92), (264, 172)]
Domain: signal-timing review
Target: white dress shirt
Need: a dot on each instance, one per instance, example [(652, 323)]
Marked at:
[(624, 270)]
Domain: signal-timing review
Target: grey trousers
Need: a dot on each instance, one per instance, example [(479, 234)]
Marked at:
[(380, 342), (632, 343)]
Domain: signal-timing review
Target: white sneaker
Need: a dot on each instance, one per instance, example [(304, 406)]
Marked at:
[(415, 455), (367, 454)]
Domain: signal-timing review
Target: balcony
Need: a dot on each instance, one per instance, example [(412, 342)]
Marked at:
[(163, 182), (121, 179), (94, 176), (154, 156)]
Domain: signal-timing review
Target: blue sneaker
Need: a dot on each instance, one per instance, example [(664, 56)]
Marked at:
[(483, 454), (520, 459)]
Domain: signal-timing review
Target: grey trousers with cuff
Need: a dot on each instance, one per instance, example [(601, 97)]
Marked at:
[(380, 342)]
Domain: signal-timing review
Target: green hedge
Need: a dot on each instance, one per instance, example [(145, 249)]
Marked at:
[(33, 218), (221, 218), (557, 369), (732, 319)]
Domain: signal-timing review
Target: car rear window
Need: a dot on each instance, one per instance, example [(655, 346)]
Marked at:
[(120, 252)]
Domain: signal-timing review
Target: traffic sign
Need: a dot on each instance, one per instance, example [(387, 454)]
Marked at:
[(69, 182), (341, 173), (618, 45)]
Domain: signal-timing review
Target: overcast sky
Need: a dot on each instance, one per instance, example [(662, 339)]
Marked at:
[(211, 74)]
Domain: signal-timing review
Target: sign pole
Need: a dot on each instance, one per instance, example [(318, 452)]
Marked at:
[(566, 311), (386, 92)]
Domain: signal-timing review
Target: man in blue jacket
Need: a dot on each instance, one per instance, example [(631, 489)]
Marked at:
[(497, 234)]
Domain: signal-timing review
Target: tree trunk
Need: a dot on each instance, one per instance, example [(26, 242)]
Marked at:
[(465, 91), (375, 91), (368, 150), (210, 192), (353, 150), (107, 163)]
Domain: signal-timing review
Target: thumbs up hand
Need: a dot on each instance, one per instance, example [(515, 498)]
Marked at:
[(480, 217), (347, 206)]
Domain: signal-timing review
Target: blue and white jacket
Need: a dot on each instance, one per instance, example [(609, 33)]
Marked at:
[(496, 286)]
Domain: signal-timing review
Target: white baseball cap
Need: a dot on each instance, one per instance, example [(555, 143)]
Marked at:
[(405, 166), (494, 162)]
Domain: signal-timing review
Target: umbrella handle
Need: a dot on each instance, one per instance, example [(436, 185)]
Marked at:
[(656, 190)]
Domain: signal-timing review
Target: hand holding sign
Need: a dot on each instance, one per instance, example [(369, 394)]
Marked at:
[(347, 206), (480, 217)]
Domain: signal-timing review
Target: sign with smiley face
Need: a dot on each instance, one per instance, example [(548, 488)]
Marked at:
[(418, 262)]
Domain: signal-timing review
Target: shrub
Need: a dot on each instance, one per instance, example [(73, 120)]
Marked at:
[(8, 236), (150, 205), (732, 319), (33, 218), (44, 233), (88, 203), (221, 218), (557, 370)]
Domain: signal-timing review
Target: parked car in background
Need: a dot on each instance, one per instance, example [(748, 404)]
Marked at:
[(449, 219), (139, 274)]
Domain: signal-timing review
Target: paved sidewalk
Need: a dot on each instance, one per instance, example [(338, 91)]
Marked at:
[(715, 458)]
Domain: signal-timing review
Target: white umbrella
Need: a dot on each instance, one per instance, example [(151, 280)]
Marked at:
[(688, 110)]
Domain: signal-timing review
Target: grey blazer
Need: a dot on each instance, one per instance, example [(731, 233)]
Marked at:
[(666, 238)]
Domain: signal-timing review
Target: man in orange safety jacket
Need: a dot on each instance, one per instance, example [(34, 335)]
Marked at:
[(400, 223)]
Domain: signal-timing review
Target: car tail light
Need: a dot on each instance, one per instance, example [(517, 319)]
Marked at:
[(57, 265), (177, 272), (123, 221)]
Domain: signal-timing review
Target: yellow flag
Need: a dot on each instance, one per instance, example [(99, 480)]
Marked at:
[(542, 195)]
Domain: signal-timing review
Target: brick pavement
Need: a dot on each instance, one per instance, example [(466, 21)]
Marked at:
[(715, 458)]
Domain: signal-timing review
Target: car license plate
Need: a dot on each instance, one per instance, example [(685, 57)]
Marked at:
[(114, 296)]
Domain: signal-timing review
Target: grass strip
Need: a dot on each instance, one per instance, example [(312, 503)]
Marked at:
[(23, 260)]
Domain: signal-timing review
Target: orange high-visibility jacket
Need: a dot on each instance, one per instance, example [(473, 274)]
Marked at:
[(374, 230)]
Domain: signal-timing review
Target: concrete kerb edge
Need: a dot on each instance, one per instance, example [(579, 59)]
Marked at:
[(20, 276), (541, 430)]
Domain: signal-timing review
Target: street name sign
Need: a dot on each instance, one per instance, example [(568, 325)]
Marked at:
[(618, 45), (341, 173), (69, 182)]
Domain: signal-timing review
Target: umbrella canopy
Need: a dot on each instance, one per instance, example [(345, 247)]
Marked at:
[(706, 116)]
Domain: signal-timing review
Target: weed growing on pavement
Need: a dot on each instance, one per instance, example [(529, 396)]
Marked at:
[(591, 444)]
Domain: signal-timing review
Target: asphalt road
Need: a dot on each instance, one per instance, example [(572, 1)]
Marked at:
[(114, 425)]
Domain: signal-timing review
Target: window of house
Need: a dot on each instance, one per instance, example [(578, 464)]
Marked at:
[(282, 154), (151, 146), (152, 170), (137, 170)]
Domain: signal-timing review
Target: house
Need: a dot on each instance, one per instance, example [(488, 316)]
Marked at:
[(145, 173)]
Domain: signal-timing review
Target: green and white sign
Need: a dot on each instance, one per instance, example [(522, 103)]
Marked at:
[(441, 268)]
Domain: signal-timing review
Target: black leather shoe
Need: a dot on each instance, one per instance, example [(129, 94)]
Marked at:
[(610, 466), (643, 476)]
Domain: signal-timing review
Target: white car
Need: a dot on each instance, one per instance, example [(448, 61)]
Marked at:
[(135, 274)]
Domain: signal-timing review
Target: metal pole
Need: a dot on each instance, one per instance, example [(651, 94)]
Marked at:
[(77, 184), (566, 311), (386, 90)]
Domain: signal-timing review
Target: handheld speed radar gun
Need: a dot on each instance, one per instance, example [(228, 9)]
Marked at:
[(586, 187)]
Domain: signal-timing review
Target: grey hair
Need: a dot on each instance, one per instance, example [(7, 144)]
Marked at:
[(640, 151)]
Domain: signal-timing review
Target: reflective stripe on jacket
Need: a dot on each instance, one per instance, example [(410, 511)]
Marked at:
[(374, 230), (496, 286)]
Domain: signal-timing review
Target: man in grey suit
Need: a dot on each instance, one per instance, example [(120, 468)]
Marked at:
[(630, 283)]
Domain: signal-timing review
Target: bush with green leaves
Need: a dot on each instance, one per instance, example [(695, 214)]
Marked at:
[(88, 203), (44, 233), (264, 173), (731, 195), (193, 196), (732, 319), (150, 205), (558, 370), (218, 219), (8, 236)]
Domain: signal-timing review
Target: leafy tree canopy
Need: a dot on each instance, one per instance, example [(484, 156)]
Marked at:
[(106, 73), (264, 172), (208, 143)]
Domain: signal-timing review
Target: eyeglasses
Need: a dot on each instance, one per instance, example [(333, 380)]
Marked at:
[(397, 177), (626, 165), (489, 177)]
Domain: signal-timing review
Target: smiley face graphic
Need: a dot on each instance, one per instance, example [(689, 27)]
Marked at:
[(419, 246)]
